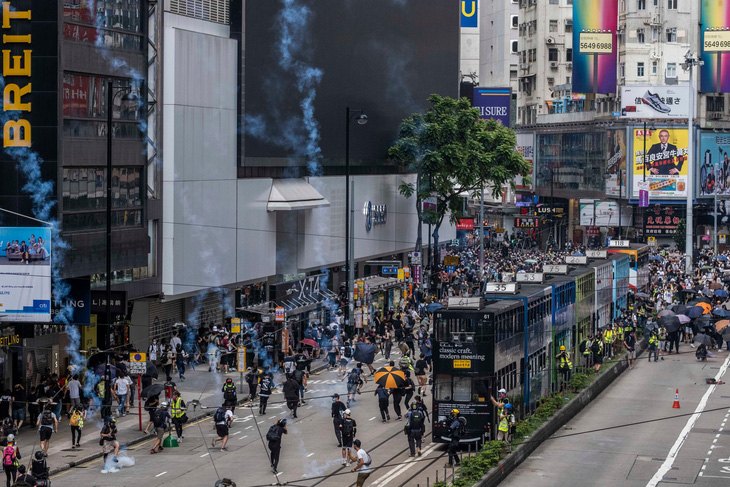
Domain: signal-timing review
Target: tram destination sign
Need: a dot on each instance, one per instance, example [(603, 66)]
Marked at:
[(502, 287), (555, 269), (576, 259), (534, 277), (458, 357), (596, 254)]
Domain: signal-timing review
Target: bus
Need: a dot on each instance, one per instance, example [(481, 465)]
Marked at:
[(638, 264)]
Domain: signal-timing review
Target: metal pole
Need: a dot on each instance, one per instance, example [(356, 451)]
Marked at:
[(240, 344), (643, 210), (481, 237), (714, 236), (347, 214), (351, 262), (690, 169), (620, 200), (109, 101)]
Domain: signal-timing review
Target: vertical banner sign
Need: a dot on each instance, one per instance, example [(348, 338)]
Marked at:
[(594, 61), (526, 148), (715, 50), (666, 167), (713, 174), (279, 314), (469, 17), (643, 194), (493, 103)]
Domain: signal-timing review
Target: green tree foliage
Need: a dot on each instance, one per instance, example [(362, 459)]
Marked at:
[(454, 153), (680, 238)]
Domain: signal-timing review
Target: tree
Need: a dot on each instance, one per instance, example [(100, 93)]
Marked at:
[(453, 152), (680, 237)]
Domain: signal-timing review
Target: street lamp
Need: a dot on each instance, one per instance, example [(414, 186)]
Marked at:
[(643, 209), (690, 60), (362, 119)]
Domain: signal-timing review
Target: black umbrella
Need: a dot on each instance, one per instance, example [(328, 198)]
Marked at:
[(153, 390), (100, 370), (671, 323), (702, 339), (98, 359), (151, 370), (688, 291), (694, 312), (679, 309), (726, 333), (365, 353)]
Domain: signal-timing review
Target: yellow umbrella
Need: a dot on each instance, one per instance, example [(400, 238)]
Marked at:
[(390, 378), (706, 306), (721, 325)]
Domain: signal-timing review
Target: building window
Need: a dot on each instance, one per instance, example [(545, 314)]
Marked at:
[(640, 36), (654, 65), (715, 103), (553, 26), (551, 80), (552, 54), (641, 4), (112, 23), (640, 70), (515, 21), (553, 2), (672, 4), (672, 34), (671, 70), (622, 70), (567, 79), (515, 46), (654, 34), (569, 55)]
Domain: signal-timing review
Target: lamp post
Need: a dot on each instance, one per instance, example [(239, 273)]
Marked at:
[(690, 60), (643, 209), (542, 175), (362, 119)]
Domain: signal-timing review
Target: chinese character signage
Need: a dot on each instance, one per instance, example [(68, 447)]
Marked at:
[(530, 222), (594, 67), (713, 173), (660, 219), (647, 101), (465, 224), (715, 46), (666, 168)]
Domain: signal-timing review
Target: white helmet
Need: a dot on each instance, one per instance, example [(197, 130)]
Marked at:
[(11, 437)]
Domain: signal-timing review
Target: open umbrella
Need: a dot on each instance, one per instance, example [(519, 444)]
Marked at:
[(721, 325), (365, 352), (390, 378), (706, 307), (694, 311), (642, 295), (687, 291), (702, 339), (671, 323), (667, 312), (656, 257), (721, 313), (720, 293), (715, 285), (153, 390), (531, 261), (433, 307), (726, 333), (309, 342), (151, 370), (100, 370), (722, 258), (684, 319), (679, 309)]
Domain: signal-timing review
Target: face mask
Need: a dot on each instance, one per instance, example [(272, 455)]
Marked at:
[(334, 400)]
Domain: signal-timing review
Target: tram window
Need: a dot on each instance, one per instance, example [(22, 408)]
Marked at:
[(462, 389), (442, 387), (480, 389)]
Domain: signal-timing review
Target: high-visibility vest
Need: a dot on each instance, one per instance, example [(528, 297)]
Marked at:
[(662, 335), (176, 411), (609, 336), (504, 423), (653, 340), (587, 351), (564, 360)]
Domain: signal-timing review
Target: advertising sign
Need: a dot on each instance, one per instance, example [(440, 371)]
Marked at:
[(660, 219), (493, 103), (602, 214), (647, 101), (615, 162), (469, 14), (643, 194), (77, 300), (594, 61), (462, 357), (25, 274), (715, 46), (526, 147), (279, 314), (465, 224), (713, 173), (528, 222), (666, 171)]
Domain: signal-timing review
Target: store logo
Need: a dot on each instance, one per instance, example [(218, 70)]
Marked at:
[(374, 215)]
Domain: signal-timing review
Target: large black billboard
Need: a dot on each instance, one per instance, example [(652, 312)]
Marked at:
[(385, 57)]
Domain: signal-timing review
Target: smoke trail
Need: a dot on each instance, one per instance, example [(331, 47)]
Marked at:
[(122, 460)]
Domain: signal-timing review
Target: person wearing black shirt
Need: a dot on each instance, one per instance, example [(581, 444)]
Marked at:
[(275, 445), (18, 405), (408, 389), (383, 399), (421, 377), (630, 344), (338, 409), (25, 477)]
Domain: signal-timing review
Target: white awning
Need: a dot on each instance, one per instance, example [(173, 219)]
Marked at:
[(294, 194)]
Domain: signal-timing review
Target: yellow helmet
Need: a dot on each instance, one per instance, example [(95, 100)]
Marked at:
[(454, 411), (562, 348)]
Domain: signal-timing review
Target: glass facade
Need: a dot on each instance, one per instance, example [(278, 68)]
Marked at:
[(577, 162), (109, 23)]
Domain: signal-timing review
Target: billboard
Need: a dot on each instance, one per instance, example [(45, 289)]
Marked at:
[(666, 171), (25, 274), (469, 13), (493, 103), (646, 101), (615, 162), (594, 46), (594, 213), (526, 148), (661, 220), (713, 174), (715, 46)]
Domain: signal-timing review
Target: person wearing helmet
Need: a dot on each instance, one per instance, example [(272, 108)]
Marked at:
[(456, 431), (109, 443), (502, 401), (506, 421), (161, 420), (274, 438), (38, 467), (229, 393), (416, 426), (11, 455), (565, 367)]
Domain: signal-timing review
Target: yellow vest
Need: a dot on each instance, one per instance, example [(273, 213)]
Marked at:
[(504, 423), (176, 410), (565, 361)]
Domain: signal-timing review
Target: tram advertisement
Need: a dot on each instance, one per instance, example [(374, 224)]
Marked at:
[(459, 358)]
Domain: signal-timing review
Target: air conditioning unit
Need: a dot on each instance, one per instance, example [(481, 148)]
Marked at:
[(655, 21), (554, 64), (524, 66), (714, 115), (549, 40), (569, 65)]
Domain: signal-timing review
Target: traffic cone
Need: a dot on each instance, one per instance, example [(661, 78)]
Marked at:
[(676, 399)]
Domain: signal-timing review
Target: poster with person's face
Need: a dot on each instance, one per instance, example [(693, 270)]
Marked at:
[(664, 167)]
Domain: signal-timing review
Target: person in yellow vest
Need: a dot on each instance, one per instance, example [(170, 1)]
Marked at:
[(587, 353), (506, 422), (608, 336), (597, 352), (662, 338), (177, 412), (653, 346), (565, 367)]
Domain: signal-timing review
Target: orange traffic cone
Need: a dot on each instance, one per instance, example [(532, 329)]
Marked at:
[(676, 399)]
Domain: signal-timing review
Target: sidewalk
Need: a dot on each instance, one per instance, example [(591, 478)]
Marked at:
[(199, 384)]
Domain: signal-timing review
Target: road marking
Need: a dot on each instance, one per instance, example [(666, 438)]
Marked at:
[(372, 418), (236, 433), (246, 436), (272, 417), (403, 467), (248, 427), (310, 455), (672, 455), (160, 474), (261, 421), (204, 455)]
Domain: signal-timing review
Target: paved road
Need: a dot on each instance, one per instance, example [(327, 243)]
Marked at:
[(620, 438), (309, 452)]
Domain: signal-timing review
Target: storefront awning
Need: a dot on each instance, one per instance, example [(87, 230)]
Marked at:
[(294, 194), (378, 283)]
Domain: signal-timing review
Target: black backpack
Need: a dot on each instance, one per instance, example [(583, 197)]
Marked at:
[(595, 348), (273, 434), (416, 420), (348, 352), (219, 416), (229, 393), (158, 418), (353, 377), (47, 418), (348, 426)]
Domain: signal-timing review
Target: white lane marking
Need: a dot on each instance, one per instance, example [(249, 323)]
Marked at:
[(309, 407), (236, 433), (672, 456), (261, 421), (372, 418), (403, 467), (160, 474), (204, 455), (272, 417), (310, 455), (248, 427), (245, 436)]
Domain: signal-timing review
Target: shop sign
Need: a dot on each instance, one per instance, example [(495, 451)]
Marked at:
[(451, 260), (279, 314), (551, 209), (465, 224), (401, 274), (77, 300), (118, 302), (375, 215), (417, 274), (9, 340), (660, 219), (522, 222)]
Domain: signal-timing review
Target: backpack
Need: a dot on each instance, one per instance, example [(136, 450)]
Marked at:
[(582, 346), (273, 434), (179, 348), (353, 377), (299, 376), (416, 420), (219, 416), (370, 460), (229, 393), (159, 418), (9, 455), (404, 363), (347, 427), (595, 347), (75, 417), (47, 418), (348, 352)]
